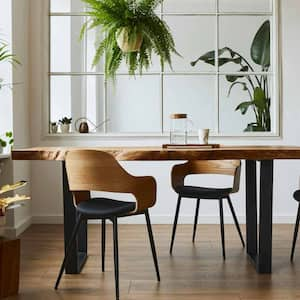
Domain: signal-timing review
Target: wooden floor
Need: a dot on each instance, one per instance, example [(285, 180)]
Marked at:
[(195, 271)]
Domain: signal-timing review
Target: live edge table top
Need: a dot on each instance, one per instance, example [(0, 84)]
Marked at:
[(158, 153)]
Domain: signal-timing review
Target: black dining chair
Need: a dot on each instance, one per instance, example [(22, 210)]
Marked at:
[(91, 170), (179, 172), (297, 198)]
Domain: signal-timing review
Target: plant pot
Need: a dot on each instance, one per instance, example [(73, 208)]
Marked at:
[(54, 128), (2, 224), (9, 267), (127, 46), (65, 128), (1, 149)]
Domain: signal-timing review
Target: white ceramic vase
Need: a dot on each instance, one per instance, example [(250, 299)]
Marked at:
[(65, 128), (2, 225)]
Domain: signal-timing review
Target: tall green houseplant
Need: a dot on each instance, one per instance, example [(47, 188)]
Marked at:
[(6, 56), (256, 86), (132, 33)]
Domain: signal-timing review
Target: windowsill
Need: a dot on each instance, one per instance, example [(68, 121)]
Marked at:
[(251, 135), (4, 156)]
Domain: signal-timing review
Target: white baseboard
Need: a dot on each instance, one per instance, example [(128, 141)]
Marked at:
[(160, 219), (14, 232)]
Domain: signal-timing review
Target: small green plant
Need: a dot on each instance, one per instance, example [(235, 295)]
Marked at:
[(6, 56), (7, 140), (65, 121), (257, 87), (133, 33)]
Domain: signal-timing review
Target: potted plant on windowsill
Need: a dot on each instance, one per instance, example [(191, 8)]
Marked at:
[(54, 127), (65, 124), (133, 33)]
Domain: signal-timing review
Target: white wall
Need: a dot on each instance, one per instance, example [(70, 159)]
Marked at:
[(21, 216), (46, 176), (14, 113), (5, 69)]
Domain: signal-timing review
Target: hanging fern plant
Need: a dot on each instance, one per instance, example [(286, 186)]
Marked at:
[(133, 33)]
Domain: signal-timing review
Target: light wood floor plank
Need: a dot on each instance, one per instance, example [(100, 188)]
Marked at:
[(194, 271)]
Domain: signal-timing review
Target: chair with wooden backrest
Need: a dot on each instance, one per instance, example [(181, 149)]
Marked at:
[(91, 170), (179, 172)]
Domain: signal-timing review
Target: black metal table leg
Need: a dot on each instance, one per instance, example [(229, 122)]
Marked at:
[(251, 209), (260, 254), (79, 253), (264, 258)]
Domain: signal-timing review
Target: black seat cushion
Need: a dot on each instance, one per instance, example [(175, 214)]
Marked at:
[(104, 208), (297, 195), (202, 192)]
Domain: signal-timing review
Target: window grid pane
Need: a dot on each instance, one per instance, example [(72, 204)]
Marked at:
[(222, 9)]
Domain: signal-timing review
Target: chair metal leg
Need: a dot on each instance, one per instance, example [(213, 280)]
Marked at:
[(295, 234), (103, 236), (237, 225), (222, 227), (150, 233), (196, 219), (175, 223), (116, 256), (68, 251)]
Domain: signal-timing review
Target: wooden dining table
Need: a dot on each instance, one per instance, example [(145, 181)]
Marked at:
[(258, 226)]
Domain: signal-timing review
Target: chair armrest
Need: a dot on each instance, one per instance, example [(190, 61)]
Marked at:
[(144, 190), (81, 196), (236, 180)]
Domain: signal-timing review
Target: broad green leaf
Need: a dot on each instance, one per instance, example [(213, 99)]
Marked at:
[(209, 57), (260, 49), (224, 60), (244, 106), (260, 98)]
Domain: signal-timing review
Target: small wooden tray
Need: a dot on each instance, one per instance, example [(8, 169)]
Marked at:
[(190, 146)]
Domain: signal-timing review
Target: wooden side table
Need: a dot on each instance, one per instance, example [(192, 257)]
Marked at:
[(9, 267)]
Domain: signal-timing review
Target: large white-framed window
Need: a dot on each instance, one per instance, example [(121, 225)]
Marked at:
[(141, 106)]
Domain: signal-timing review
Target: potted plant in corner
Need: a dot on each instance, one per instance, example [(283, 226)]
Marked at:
[(6, 57), (256, 86), (9, 249), (54, 127), (7, 140), (133, 33)]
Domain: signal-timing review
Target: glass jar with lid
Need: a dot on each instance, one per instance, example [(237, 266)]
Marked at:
[(178, 129)]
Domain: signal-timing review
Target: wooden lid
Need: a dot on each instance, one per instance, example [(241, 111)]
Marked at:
[(178, 116)]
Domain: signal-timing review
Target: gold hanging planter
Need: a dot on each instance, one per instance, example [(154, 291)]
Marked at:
[(127, 44)]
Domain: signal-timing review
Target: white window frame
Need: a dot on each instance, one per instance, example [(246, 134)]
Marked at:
[(275, 73)]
